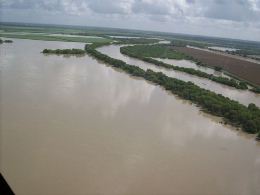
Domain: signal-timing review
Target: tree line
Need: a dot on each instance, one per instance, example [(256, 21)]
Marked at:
[(64, 51), (135, 41), (5, 41)]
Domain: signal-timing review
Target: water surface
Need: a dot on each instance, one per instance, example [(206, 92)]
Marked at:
[(72, 125), (223, 48), (189, 64)]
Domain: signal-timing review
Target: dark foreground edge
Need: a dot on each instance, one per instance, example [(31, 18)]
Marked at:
[(4, 187)]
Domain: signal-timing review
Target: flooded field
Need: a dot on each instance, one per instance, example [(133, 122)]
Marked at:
[(223, 48), (243, 96), (72, 125), (190, 64), (125, 37)]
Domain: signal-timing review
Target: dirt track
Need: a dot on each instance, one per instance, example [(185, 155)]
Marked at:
[(244, 69)]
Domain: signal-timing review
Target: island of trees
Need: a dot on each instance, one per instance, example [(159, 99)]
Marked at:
[(64, 51), (5, 41), (232, 112)]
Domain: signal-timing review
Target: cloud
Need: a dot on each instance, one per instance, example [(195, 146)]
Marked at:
[(66, 6), (152, 7), (29, 4), (111, 7), (233, 10)]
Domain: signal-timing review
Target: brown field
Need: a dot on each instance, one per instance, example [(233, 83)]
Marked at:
[(249, 71)]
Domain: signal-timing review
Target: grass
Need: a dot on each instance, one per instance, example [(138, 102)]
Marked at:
[(155, 51)]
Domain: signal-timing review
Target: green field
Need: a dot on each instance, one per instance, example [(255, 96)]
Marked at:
[(155, 51)]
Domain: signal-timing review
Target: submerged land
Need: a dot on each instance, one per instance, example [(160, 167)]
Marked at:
[(115, 103)]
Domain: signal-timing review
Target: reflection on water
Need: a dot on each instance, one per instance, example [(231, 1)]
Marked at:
[(244, 97), (75, 126)]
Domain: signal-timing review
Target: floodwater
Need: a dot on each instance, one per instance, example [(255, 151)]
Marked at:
[(125, 37), (223, 48), (243, 96), (164, 42), (72, 125), (189, 64)]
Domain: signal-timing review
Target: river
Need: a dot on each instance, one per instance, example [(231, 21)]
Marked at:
[(72, 125)]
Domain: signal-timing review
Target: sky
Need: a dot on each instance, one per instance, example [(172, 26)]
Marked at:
[(238, 19)]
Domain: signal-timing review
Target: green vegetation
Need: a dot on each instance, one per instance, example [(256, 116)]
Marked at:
[(258, 136), (64, 51), (217, 68), (158, 51), (248, 118), (255, 89), (135, 41), (47, 37), (155, 51), (184, 43), (5, 41), (8, 41), (96, 45), (136, 52)]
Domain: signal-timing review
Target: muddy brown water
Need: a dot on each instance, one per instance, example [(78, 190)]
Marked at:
[(243, 96), (72, 125), (190, 64)]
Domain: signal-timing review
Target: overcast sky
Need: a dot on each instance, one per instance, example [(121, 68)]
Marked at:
[(224, 18)]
